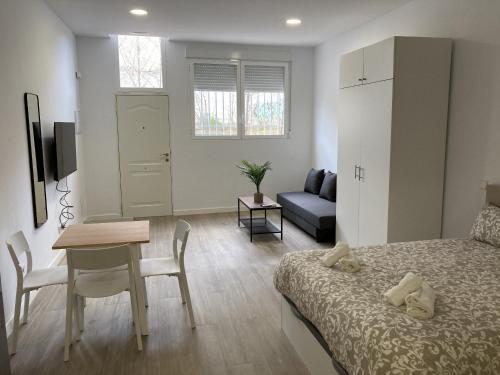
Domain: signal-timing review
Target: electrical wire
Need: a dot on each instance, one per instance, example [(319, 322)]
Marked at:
[(65, 214)]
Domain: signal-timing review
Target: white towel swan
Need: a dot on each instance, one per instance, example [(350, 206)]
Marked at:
[(420, 304), (349, 263), (340, 250), (397, 294)]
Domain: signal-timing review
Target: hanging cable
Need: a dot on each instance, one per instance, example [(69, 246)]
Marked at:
[(65, 214)]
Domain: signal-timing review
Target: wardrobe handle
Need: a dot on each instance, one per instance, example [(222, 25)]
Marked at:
[(361, 177), (356, 171), (360, 79)]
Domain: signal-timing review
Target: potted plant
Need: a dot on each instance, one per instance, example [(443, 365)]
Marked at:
[(256, 174)]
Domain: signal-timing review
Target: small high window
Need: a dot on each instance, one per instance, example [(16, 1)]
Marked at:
[(140, 62)]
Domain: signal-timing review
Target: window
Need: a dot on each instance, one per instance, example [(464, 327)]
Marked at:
[(215, 99), (226, 106), (140, 62), (264, 99)]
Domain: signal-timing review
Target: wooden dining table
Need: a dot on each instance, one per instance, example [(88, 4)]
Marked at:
[(135, 233)]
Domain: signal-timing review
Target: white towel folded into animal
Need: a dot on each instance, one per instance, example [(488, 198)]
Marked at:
[(340, 250), (397, 294), (349, 263), (420, 304)]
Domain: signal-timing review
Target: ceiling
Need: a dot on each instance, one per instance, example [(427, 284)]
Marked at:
[(234, 21)]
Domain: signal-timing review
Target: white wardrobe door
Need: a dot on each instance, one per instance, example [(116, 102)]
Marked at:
[(348, 158), (375, 131), (379, 61), (351, 69)]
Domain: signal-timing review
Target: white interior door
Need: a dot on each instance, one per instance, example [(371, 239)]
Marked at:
[(376, 114), (348, 158), (144, 147)]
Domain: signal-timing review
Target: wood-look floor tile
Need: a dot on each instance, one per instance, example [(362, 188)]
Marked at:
[(236, 307)]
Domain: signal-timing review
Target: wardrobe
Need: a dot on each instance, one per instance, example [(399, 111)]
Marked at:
[(392, 125)]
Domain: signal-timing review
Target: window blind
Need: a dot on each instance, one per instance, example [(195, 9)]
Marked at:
[(261, 78), (215, 77)]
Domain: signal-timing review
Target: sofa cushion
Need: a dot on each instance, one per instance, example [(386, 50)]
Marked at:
[(329, 187), (314, 180), (313, 209)]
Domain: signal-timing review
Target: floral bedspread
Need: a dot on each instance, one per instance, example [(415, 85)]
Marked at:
[(368, 336)]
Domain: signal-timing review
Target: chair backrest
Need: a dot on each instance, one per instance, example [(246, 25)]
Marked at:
[(98, 258), (182, 229), (18, 245)]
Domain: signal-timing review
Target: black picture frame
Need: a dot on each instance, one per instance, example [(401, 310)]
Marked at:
[(35, 153)]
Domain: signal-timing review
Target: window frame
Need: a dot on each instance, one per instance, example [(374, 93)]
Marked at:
[(139, 90), (286, 92), (239, 98), (191, 98)]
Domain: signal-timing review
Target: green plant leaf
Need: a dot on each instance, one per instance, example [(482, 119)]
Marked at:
[(254, 172)]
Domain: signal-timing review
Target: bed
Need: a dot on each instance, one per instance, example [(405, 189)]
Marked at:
[(364, 335)]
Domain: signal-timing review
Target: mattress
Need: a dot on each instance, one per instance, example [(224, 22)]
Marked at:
[(368, 336)]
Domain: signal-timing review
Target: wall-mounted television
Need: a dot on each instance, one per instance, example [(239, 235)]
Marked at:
[(64, 139)]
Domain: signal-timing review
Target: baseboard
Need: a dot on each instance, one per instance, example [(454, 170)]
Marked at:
[(10, 322), (199, 211)]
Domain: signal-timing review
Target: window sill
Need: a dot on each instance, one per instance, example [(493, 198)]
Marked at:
[(135, 91), (285, 136), (238, 137), (214, 137)]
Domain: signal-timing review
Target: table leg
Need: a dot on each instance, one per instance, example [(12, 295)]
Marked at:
[(143, 318), (251, 225), (239, 213), (281, 218)]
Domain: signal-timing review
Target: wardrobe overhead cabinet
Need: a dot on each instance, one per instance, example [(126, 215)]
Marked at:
[(393, 114)]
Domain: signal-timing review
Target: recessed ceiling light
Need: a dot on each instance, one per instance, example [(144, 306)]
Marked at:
[(293, 21), (138, 12)]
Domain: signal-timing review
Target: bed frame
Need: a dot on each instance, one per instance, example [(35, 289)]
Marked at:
[(307, 340), (493, 194)]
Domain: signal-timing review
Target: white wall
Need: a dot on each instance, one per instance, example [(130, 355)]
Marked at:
[(37, 55), (203, 171), (473, 151)]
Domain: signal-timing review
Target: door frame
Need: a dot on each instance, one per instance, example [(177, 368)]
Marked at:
[(139, 93)]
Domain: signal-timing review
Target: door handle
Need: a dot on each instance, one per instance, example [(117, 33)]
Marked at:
[(166, 155)]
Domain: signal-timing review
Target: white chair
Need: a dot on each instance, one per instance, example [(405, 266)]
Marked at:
[(172, 266), (97, 220), (98, 284), (29, 281)]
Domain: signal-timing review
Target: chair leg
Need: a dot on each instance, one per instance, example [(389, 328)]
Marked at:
[(145, 291), (188, 299), (81, 310), (26, 307), (17, 313), (76, 310), (181, 288), (135, 315), (69, 324)]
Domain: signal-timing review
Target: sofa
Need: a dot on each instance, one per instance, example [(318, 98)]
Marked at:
[(314, 209)]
